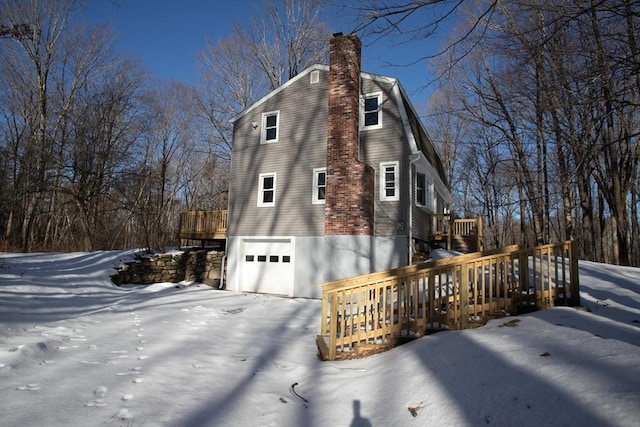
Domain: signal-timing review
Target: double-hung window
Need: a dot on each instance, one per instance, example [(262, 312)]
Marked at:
[(421, 189), (389, 181), (319, 185), (267, 189), (270, 127), (371, 111)]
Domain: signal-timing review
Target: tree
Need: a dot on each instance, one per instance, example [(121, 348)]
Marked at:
[(277, 43), (559, 82)]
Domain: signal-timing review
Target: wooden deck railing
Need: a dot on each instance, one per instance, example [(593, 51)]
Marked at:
[(203, 225), (467, 228), (377, 311)]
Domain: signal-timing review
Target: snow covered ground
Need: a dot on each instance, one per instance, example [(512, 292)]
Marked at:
[(77, 351)]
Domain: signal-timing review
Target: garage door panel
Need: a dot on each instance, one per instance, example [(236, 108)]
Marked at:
[(267, 266)]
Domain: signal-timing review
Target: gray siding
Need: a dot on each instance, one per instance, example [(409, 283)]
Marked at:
[(301, 147), (386, 144)]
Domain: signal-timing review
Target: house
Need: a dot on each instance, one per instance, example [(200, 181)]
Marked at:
[(332, 176)]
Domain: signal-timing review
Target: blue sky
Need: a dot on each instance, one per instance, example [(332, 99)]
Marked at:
[(167, 36)]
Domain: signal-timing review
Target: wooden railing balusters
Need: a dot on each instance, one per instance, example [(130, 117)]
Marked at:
[(375, 310)]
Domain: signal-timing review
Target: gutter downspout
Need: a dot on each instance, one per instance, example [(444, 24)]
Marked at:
[(412, 161), (224, 260)]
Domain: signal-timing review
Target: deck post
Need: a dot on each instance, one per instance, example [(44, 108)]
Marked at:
[(464, 296), (479, 237), (333, 326), (574, 276)]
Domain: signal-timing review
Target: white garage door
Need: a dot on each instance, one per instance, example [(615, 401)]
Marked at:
[(266, 266)]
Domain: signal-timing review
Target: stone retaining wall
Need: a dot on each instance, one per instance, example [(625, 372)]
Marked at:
[(197, 265)]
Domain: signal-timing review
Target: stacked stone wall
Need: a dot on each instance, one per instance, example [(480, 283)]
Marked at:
[(199, 265)]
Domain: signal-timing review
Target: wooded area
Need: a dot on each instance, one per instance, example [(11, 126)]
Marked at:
[(535, 110), (97, 154)]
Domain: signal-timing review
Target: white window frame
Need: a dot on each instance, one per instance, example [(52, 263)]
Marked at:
[(315, 199), (263, 127), (363, 99), (314, 77), (261, 189), (433, 194), (383, 181)]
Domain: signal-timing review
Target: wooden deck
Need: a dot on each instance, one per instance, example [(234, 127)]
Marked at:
[(203, 225), (458, 234), (374, 312), (464, 235)]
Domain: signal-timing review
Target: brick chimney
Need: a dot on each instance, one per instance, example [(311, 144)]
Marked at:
[(350, 182)]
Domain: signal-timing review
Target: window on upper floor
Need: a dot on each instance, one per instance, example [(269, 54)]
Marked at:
[(421, 189), (319, 185), (371, 111), (267, 189), (389, 181), (315, 77), (270, 127)]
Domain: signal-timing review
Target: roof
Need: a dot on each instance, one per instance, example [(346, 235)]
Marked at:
[(416, 134)]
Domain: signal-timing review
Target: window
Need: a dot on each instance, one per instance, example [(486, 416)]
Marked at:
[(421, 190), (371, 114), (270, 123), (389, 181), (267, 189), (315, 77), (319, 185)]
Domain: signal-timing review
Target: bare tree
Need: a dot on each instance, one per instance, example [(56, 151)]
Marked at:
[(272, 46), (559, 82), (36, 64)]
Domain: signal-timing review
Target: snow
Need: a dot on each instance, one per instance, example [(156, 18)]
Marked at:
[(76, 350)]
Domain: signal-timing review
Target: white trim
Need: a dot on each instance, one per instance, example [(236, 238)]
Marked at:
[(242, 242), (399, 94), (363, 98), (279, 89), (261, 177), (396, 181), (364, 75), (314, 77), (263, 127), (314, 190)]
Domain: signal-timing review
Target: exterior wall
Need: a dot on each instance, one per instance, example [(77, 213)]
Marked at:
[(323, 259), (388, 143), (300, 148), (354, 232), (348, 256)]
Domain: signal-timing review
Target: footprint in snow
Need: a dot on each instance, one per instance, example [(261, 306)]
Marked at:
[(122, 415), (119, 355), (99, 394), (29, 387)]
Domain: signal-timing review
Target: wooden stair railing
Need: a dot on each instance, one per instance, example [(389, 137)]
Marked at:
[(374, 312)]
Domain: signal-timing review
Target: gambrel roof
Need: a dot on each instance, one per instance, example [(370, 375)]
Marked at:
[(416, 134)]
